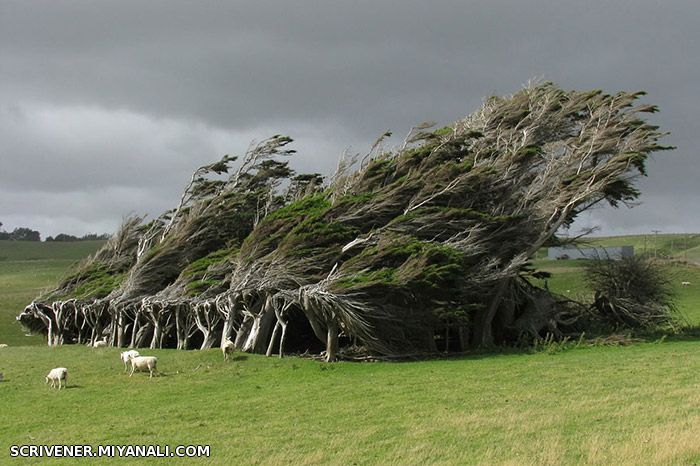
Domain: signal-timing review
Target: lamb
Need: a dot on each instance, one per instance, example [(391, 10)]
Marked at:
[(142, 363), (685, 283), (3, 345), (227, 348), (99, 344), (56, 376), (125, 355)]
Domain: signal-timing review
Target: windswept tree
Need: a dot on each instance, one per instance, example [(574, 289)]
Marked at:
[(415, 249)]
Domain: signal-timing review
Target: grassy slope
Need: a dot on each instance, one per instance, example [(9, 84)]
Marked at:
[(667, 245), (40, 251), (601, 405), (26, 268)]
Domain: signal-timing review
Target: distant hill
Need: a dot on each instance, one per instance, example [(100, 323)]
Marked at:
[(35, 250), (682, 246)]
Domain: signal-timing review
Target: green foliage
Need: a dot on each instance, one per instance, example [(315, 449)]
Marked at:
[(207, 271), (198, 286), (274, 228), (311, 206), (423, 267), (95, 281), (199, 267), (383, 276), (317, 233), (356, 199), (20, 234), (447, 214), (444, 131)]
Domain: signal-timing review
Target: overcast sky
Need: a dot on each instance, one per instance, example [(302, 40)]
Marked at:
[(107, 107)]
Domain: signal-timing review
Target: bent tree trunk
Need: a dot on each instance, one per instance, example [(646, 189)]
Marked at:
[(332, 342), (142, 335), (259, 331), (121, 328), (316, 326), (271, 346), (483, 331), (156, 334), (184, 325), (227, 307), (207, 318), (209, 338), (244, 331), (281, 314), (284, 334)]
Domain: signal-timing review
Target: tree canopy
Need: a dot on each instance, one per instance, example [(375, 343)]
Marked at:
[(401, 251), (20, 234)]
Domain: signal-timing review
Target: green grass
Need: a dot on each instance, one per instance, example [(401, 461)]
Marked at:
[(599, 405), (568, 279), (691, 255), (567, 275), (40, 251), (26, 269)]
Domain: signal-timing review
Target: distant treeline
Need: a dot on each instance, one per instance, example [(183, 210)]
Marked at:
[(27, 234), (20, 234), (88, 237)]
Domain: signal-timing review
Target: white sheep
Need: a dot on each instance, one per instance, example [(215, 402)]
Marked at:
[(99, 344), (3, 345), (56, 376), (685, 283), (227, 348), (142, 363), (125, 355)]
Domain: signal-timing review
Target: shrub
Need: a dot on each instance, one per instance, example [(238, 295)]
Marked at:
[(634, 292)]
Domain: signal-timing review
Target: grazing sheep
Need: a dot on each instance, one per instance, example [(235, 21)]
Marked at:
[(56, 376), (142, 363), (3, 345), (125, 355), (99, 344), (685, 283), (227, 348)]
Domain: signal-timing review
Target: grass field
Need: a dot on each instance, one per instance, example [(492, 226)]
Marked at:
[(567, 279), (669, 245), (602, 405), (27, 268), (637, 404)]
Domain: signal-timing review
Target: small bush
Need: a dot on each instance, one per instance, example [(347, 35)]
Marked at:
[(634, 293)]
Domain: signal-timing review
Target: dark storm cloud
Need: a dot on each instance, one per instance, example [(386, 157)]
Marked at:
[(130, 96)]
